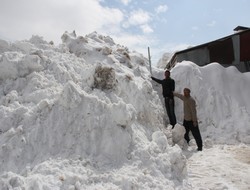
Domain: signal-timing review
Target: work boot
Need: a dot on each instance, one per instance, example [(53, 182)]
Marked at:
[(199, 149)]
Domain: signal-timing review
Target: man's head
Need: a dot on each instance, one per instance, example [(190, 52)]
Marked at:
[(167, 74), (186, 92)]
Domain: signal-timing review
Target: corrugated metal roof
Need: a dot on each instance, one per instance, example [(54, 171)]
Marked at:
[(206, 44)]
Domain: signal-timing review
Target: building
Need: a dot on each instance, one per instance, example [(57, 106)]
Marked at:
[(233, 50)]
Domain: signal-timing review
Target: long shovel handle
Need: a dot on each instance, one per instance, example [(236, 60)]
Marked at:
[(149, 61)]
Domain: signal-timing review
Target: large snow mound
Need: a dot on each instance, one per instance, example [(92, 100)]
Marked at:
[(222, 97), (82, 115)]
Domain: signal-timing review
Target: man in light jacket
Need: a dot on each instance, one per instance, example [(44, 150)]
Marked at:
[(190, 117)]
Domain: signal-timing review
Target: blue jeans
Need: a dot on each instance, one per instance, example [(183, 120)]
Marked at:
[(169, 103)]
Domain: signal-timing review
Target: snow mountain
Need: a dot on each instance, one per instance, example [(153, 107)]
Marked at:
[(82, 115)]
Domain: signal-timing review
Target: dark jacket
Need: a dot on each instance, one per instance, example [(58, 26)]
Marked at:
[(168, 86)]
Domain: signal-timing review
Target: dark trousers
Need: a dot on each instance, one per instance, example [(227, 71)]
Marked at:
[(195, 131), (169, 103)]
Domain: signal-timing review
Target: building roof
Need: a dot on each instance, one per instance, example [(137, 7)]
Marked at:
[(206, 44), (241, 28)]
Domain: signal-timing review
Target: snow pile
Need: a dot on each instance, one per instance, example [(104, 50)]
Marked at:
[(222, 96), (164, 60), (224, 116), (82, 115)]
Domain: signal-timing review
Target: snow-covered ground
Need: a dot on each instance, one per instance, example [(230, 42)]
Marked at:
[(86, 115)]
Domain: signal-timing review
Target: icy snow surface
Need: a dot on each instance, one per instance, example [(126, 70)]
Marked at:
[(86, 115)]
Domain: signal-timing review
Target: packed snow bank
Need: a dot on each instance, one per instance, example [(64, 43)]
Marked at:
[(222, 96), (82, 115), (220, 167)]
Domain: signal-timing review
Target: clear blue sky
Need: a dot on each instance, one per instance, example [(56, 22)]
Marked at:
[(164, 25)]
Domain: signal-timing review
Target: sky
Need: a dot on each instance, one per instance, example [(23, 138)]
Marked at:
[(162, 25)]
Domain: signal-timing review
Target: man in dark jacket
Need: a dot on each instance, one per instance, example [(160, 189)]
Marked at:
[(168, 86)]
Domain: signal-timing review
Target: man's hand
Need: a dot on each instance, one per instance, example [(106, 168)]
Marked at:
[(195, 123)]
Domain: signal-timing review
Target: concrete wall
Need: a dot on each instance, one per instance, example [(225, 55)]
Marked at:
[(198, 56)]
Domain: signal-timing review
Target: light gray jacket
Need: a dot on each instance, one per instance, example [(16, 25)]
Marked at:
[(189, 107)]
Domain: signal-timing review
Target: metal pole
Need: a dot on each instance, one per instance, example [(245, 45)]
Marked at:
[(149, 60)]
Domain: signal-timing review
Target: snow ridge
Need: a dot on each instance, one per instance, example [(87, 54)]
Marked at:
[(222, 100), (82, 115)]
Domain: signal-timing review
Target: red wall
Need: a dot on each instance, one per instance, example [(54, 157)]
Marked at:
[(245, 46), (222, 51)]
